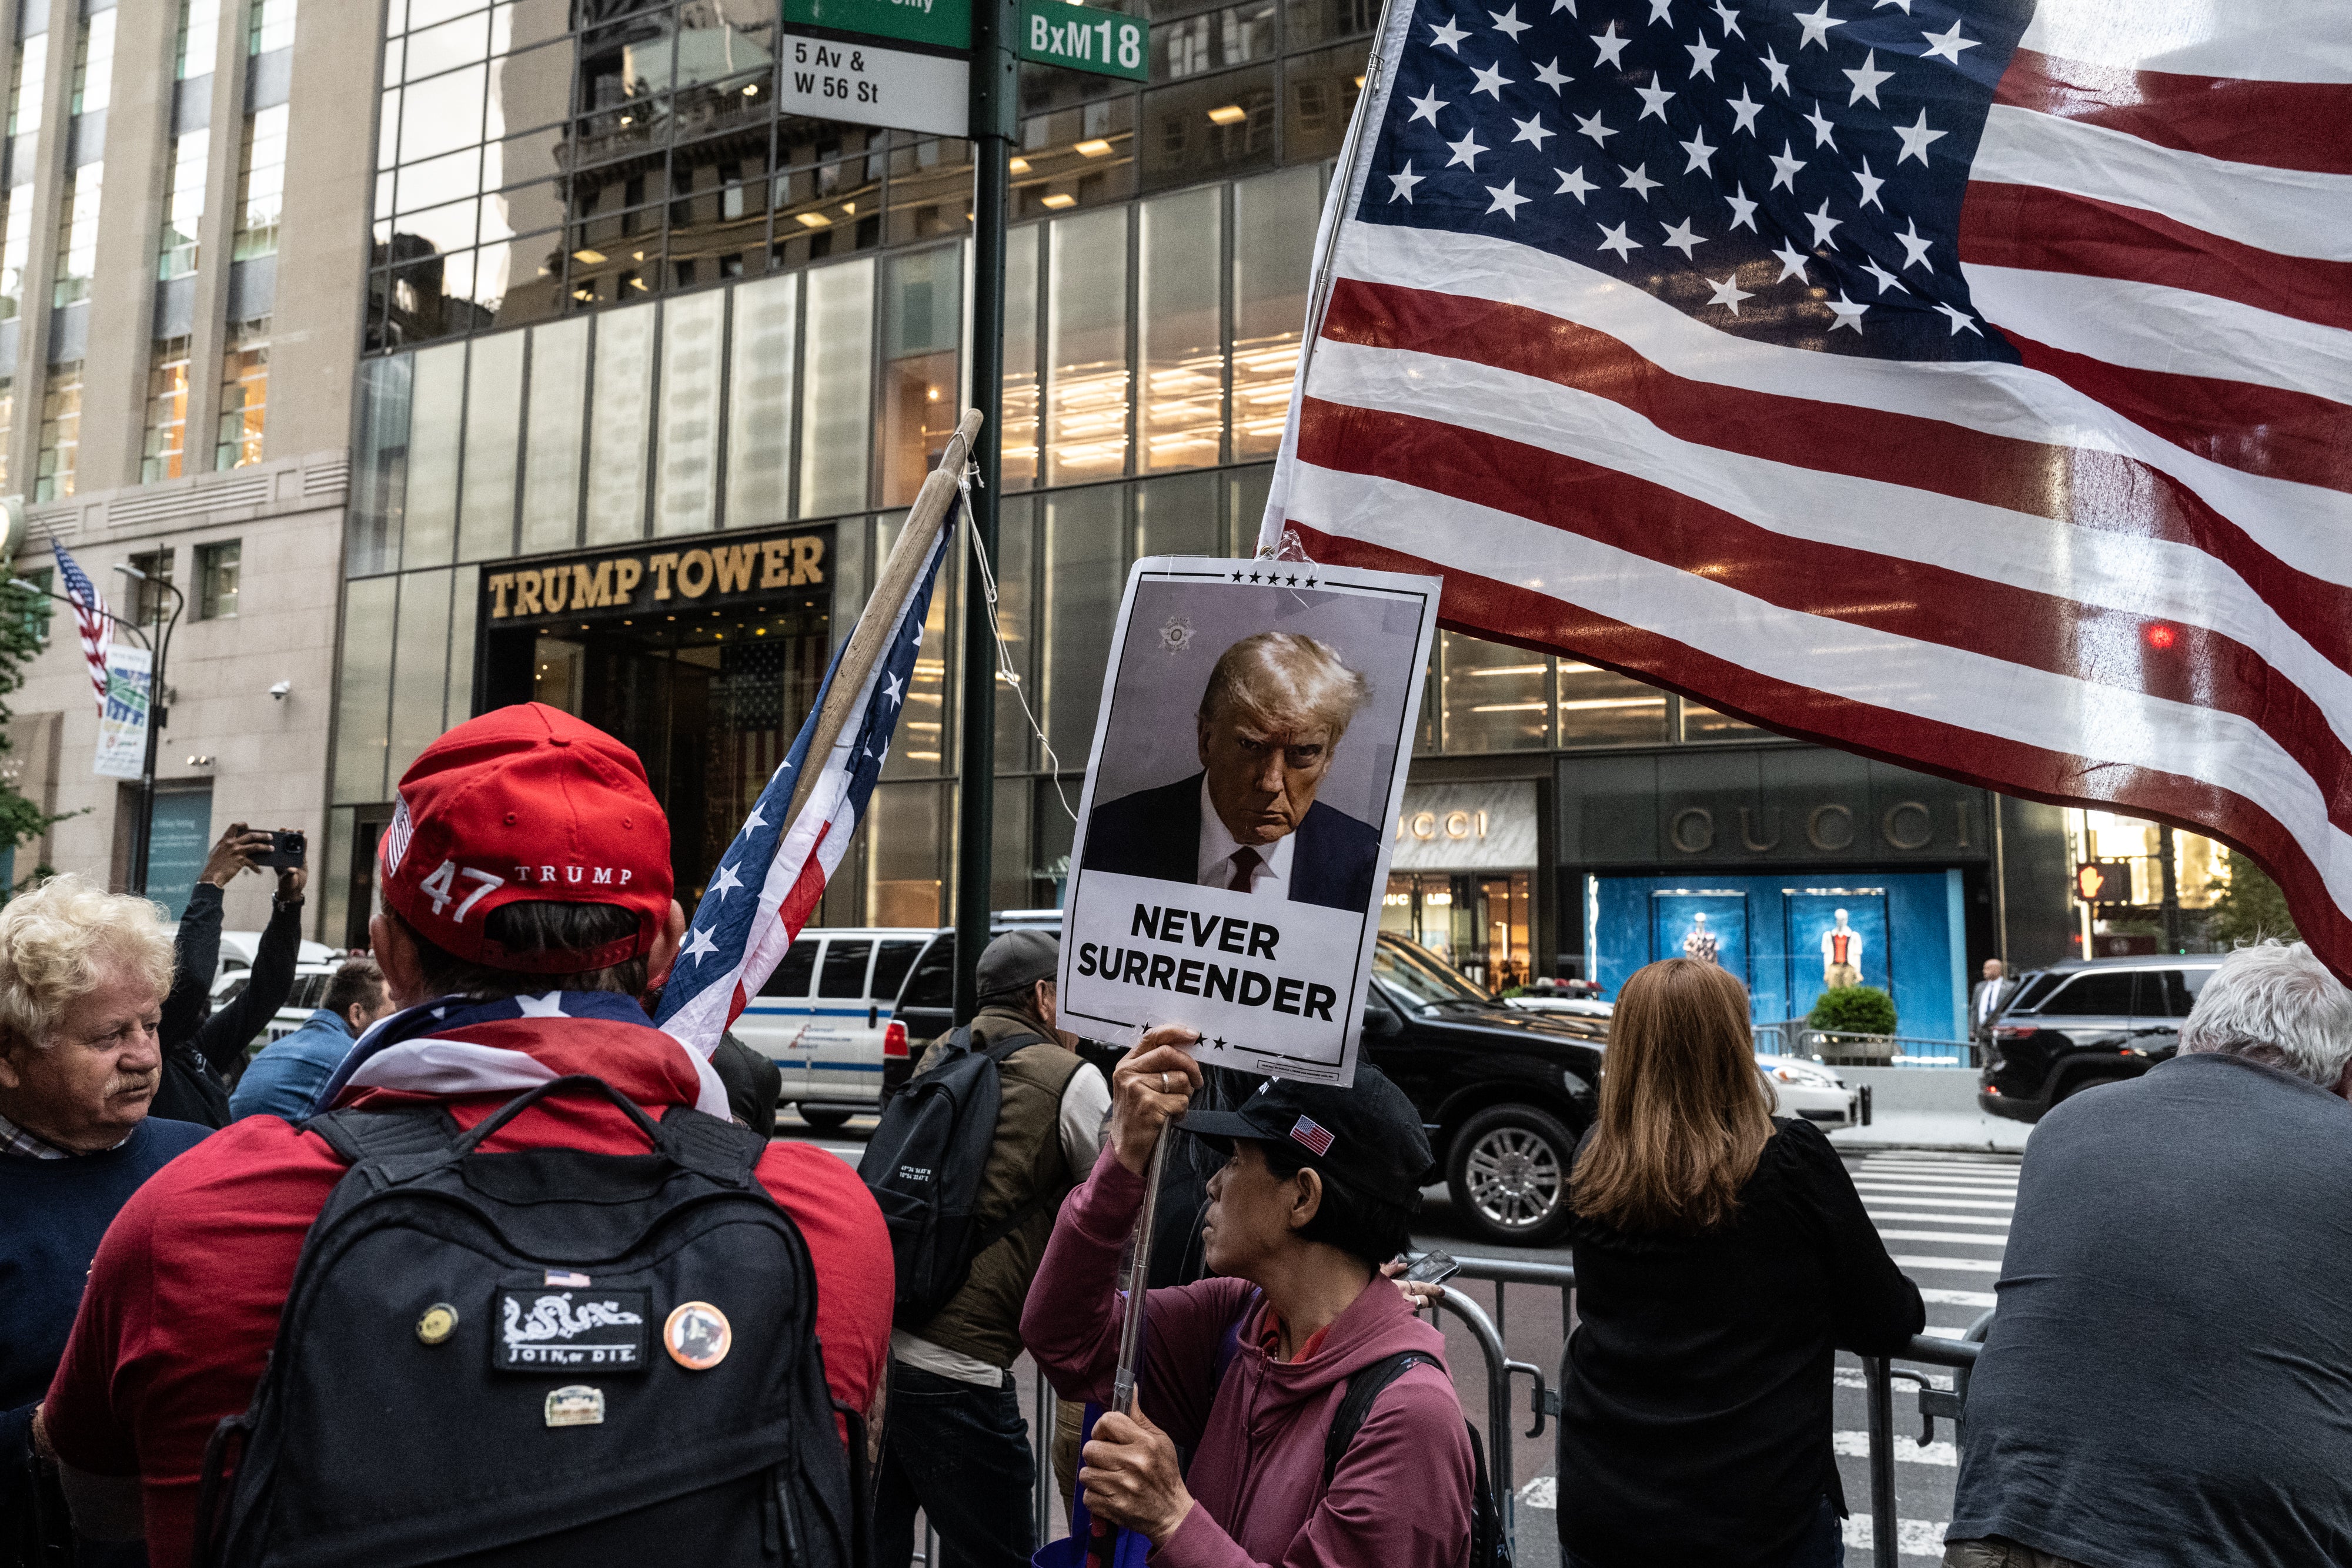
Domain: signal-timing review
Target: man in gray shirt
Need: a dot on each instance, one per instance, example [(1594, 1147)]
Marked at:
[(2168, 1376)]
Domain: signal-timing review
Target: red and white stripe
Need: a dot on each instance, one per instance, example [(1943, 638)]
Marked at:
[(2118, 575)]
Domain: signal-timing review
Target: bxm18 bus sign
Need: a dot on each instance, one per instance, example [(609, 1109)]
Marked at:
[(1080, 38)]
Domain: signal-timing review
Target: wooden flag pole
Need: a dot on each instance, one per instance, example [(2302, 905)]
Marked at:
[(871, 636)]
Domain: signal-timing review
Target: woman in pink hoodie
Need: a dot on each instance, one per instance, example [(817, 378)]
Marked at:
[(1247, 1369)]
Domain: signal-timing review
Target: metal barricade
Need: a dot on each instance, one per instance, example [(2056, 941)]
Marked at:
[(1879, 1375)]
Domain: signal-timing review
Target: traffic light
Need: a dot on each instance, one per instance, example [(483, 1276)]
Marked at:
[(2104, 882)]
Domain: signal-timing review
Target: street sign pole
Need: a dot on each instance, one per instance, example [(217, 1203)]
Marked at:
[(994, 105)]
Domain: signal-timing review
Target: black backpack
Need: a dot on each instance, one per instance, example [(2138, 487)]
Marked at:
[(924, 1164), (539, 1358), (1489, 1548)]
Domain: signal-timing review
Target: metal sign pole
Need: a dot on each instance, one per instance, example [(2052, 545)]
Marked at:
[(994, 100)]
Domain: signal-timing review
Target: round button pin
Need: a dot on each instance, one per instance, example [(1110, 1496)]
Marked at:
[(439, 1321), (697, 1336)]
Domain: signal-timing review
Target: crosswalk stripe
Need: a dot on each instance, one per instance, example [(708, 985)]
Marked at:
[(1941, 1173), (1867, 1183), (1878, 1213), (1852, 1377), (1907, 1450), (1951, 1235), (1938, 1331), (1957, 1298), (1962, 1264), (1541, 1492), (2006, 1207), (1913, 1537)]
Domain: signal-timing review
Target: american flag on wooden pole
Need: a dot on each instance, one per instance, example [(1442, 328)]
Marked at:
[(90, 618), (1967, 385)]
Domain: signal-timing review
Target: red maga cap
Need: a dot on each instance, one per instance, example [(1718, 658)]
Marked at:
[(526, 803)]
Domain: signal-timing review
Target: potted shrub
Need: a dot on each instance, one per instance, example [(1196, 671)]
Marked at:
[(1851, 1010)]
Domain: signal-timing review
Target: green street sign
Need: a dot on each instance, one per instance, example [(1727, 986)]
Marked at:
[(1082, 39), (947, 22)]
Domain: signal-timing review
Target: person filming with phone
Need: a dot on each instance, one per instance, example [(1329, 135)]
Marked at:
[(1252, 1369), (200, 1046)]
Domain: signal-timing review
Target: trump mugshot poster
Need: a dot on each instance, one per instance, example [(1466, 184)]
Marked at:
[(1233, 840)]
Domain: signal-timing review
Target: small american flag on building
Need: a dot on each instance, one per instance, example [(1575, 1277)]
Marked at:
[(1312, 1134), (1965, 385), (90, 618)]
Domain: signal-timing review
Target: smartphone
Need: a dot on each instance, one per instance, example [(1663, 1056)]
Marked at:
[(288, 846), (1432, 1267)]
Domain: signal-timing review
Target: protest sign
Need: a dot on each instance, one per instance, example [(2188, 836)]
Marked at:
[(1232, 848)]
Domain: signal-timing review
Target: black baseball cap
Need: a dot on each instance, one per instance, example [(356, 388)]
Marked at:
[(1369, 1136)]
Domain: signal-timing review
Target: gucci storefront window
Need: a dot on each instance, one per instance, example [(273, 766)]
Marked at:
[(1461, 877)]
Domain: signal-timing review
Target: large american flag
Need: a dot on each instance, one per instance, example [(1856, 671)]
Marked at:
[(90, 618), (1960, 385), (770, 879)]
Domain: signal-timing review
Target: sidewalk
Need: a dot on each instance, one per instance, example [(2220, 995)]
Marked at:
[(1926, 1108)]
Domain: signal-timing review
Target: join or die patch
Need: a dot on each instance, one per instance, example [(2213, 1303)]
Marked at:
[(565, 1331)]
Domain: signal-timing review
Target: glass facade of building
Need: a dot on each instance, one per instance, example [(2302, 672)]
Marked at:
[(616, 298)]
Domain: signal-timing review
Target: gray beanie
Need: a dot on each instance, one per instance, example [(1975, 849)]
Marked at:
[(1018, 960)]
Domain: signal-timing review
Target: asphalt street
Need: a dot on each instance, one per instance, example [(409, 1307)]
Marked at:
[(1945, 1219)]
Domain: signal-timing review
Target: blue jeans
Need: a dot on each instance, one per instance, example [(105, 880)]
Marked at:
[(1821, 1546), (960, 1453)]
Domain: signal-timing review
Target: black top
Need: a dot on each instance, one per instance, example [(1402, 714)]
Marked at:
[(1694, 1423), (198, 1050), (2169, 1379)]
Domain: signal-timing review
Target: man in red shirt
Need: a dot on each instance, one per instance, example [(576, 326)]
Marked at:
[(526, 880)]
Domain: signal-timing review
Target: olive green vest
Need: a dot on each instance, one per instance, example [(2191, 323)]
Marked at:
[(983, 1319)]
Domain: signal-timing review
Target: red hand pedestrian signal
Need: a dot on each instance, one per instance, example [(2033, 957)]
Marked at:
[(2104, 882)]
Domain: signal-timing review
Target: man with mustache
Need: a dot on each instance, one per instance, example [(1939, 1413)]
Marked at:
[(82, 977)]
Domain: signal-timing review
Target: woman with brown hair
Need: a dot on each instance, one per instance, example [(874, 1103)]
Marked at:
[(1722, 1256)]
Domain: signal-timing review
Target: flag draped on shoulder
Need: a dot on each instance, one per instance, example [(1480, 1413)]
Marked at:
[(1967, 385), (90, 618), (770, 877)]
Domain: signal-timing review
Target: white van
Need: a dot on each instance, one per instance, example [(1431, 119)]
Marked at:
[(823, 1017)]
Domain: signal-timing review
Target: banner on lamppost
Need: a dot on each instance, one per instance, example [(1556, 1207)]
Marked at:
[(122, 724)]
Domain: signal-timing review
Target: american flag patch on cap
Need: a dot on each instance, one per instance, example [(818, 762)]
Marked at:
[(1315, 1137)]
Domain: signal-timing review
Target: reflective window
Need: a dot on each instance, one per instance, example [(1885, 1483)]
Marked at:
[(760, 402), (184, 206), (363, 690), (1176, 517), (891, 962), (1702, 723), (835, 385), (619, 420), (93, 73), (1496, 698), (380, 466), (1018, 455), (16, 248), (420, 667), (28, 84), (2099, 992), (1181, 312), (244, 395), (685, 475), (1216, 125), (904, 881), (1086, 565), (165, 456), (486, 511), (550, 473), (260, 184), (197, 43), (217, 569), (791, 974), (844, 973), (8, 434), (436, 425), (1601, 707), (78, 235), (1015, 572), (922, 321), (269, 25), (1274, 247), (61, 442), (1086, 350), (1319, 96)]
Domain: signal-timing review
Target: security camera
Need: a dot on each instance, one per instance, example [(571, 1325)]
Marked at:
[(280, 689)]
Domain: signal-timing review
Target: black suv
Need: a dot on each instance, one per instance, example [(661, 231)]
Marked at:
[(1503, 1093), (2077, 1025)]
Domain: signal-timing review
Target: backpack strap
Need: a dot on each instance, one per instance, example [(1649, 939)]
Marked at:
[(1363, 1387), (1022, 1214), (388, 1146), (722, 1151)]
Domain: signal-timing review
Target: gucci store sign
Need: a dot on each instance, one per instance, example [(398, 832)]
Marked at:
[(1467, 827)]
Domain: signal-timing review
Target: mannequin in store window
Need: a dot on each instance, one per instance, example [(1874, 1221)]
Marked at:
[(1700, 943), (1840, 954)]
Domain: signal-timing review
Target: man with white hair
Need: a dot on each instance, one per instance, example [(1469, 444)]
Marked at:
[(2168, 1376), (1271, 718)]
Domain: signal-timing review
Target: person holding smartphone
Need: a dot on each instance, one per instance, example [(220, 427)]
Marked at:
[(201, 1047)]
